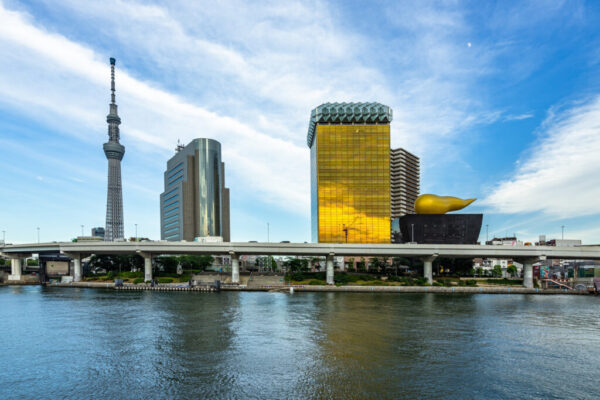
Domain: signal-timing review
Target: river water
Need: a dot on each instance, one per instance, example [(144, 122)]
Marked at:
[(86, 343)]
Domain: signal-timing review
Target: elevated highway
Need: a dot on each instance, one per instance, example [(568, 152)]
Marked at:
[(427, 252)]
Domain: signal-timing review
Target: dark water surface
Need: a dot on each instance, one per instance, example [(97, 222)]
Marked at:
[(85, 343)]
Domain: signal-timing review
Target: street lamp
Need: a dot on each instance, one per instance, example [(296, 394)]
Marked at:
[(268, 233), (4, 237), (486, 233), (81, 230), (136, 232), (563, 231), (38, 232)]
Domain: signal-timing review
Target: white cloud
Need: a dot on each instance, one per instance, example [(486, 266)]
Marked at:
[(518, 117), (558, 175)]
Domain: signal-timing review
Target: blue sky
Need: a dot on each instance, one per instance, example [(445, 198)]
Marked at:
[(501, 100)]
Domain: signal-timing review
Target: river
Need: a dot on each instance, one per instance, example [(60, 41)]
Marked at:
[(59, 343)]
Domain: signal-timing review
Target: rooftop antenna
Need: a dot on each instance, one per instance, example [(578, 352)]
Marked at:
[(179, 146)]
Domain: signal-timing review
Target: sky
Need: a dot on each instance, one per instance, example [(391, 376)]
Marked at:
[(500, 100)]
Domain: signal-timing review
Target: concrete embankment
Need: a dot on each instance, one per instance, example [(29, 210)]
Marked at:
[(433, 289), (318, 288)]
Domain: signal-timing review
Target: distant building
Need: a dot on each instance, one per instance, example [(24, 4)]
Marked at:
[(195, 202), (560, 242), (98, 232), (505, 241), (405, 181), (350, 172)]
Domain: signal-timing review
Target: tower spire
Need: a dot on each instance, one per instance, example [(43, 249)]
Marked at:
[(112, 80)]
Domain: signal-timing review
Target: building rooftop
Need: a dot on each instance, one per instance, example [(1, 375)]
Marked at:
[(347, 113)]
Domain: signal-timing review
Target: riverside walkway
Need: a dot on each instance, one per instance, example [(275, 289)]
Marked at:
[(527, 255)]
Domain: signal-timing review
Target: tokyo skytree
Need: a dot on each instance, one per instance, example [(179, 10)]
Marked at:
[(114, 153)]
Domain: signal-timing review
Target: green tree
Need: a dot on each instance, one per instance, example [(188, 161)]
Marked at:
[(167, 263), (497, 271), (512, 270), (361, 266), (195, 261), (479, 271), (294, 264)]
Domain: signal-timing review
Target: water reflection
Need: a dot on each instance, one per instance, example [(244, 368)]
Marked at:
[(81, 343)]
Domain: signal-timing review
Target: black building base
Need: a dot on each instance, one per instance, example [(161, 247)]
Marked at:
[(437, 228)]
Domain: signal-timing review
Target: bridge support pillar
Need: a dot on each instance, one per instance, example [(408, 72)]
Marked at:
[(309, 265), (77, 268), (329, 263), (528, 270), (15, 269), (235, 268), (147, 265), (528, 275), (428, 267)]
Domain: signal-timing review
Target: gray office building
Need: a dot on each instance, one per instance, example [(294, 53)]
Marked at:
[(195, 202), (98, 232), (405, 181)]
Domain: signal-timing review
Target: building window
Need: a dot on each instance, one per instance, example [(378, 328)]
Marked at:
[(177, 175), (173, 171), (171, 218), (175, 203), (176, 180), (171, 191), (171, 212)]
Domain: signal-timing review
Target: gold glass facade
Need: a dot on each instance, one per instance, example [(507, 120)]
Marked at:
[(351, 183)]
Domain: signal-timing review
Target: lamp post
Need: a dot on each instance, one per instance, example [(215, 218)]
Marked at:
[(136, 232), (486, 233), (81, 230), (412, 233), (3, 237), (38, 233), (268, 239)]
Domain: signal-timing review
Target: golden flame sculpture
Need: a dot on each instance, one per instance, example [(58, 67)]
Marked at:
[(432, 204)]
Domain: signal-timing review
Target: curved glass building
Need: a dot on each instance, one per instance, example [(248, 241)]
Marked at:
[(195, 202)]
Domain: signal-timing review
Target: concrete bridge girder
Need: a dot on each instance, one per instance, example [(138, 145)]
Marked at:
[(529, 254)]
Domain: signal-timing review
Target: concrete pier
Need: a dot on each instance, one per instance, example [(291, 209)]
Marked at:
[(147, 265), (15, 269), (148, 268), (428, 267), (77, 273), (235, 268), (528, 275), (329, 263)]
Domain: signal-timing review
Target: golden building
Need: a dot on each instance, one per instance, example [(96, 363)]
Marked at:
[(350, 173)]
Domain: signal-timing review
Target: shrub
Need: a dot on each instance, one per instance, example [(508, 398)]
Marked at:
[(138, 280), (110, 275), (471, 282), (316, 282), (165, 280)]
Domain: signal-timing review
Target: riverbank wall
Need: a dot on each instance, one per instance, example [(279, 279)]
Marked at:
[(319, 288)]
